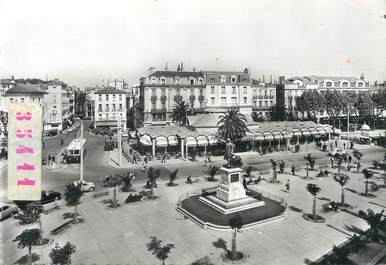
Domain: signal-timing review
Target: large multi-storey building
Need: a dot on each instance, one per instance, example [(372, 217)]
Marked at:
[(161, 90), (109, 104), (58, 107), (5, 84), (204, 91), (228, 89), (263, 96)]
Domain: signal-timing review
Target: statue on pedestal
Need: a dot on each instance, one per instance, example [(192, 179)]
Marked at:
[(229, 152)]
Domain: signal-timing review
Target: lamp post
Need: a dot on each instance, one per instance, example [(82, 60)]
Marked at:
[(81, 150), (348, 125), (186, 134)]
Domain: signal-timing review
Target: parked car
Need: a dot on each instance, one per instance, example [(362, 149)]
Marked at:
[(338, 152), (85, 185), (50, 196), (124, 134), (70, 129), (7, 210)]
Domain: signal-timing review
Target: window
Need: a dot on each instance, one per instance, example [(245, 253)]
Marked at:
[(22, 100), (223, 90), (114, 107), (11, 100), (212, 90), (245, 90), (360, 84), (120, 107), (233, 90), (201, 92), (177, 81), (113, 116), (192, 81), (271, 102), (266, 103), (100, 97), (153, 92), (265, 93), (163, 92), (107, 116), (100, 108), (344, 84), (153, 105), (107, 107), (200, 81), (163, 105), (328, 84), (245, 100), (255, 92), (233, 79), (163, 81), (223, 101), (120, 97), (223, 78), (234, 100), (114, 97), (212, 100), (100, 116), (260, 104), (107, 97), (153, 81), (191, 91), (178, 92)]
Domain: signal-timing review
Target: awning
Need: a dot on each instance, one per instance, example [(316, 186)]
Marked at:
[(296, 132), (145, 140), (305, 132), (172, 140), (277, 135), (202, 140), (286, 135), (328, 129), (248, 137), (161, 141), (313, 131), (321, 131), (191, 141), (259, 137), (212, 140), (337, 130), (268, 136)]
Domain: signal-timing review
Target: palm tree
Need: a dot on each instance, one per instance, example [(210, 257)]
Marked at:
[(72, 195), (232, 124), (152, 176), (277, 113), (374, 221), (257, 116), (180, 112), (314, 190), (339, 159), (342, 179), (115, 181), (368, 175), (172, 177), (235, 223)]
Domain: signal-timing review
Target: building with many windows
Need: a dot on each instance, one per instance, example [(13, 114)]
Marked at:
[(109, 104), (227, 89), (5, 84), (263, 96), (161, 90)]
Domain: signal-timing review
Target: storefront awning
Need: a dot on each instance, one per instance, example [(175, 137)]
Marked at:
[(286, 135), (321, 131), (296, 132), (161, 141), (268, 136), (191, 141), (277, 135), (145, 140), (337, 130), (313, 131), (202, 140), (305, 132), (328, 130), (212, 140), (259, 137), (172, 140)]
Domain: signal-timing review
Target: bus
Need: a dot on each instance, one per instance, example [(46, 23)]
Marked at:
[(73, 151)]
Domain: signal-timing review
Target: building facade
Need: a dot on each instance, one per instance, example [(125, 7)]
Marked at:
[(109, 105), (161, 90), (58, 107), (263, 96), (228, 89), (5, 84)]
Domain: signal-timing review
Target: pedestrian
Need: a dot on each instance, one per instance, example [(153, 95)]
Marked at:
[(349, 159), (293, 169), (49, 159), (163, 158), (145, 160), (336, 143), (344, 146), (287, 185), (331, 146), (308, 166), (144, 167), (281, 166), (332, 162), (134, 159), (245, 183), (208, 158), (53, 159)]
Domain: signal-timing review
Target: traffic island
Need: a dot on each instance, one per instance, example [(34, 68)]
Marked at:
[(215, 207), (314, 218)]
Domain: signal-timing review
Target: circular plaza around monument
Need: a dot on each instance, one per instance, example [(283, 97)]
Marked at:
[(215, 207)]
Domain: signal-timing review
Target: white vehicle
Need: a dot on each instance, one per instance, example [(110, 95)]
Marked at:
[(7, 210), (85, 185), (124, 134), (338, 152), (70, 129)]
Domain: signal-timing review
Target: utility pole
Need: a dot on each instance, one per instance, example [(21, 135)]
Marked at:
[(81, 150), (348, 125), (186, 135), (119, 140)]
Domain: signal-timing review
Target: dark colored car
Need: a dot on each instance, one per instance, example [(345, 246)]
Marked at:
[(109, 145), (46, 197)]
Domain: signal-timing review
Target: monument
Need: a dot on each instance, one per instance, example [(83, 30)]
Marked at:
[(230, 195)]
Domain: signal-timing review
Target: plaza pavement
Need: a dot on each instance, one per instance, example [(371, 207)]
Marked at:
[(119, 236)]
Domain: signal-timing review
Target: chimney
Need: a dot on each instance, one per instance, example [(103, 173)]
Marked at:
[(362, 77), (178, 68), (182, 66), (194, 69), (281, 79)]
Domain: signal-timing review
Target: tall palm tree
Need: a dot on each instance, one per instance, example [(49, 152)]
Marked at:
[(72, 195), (342, 179), (339, 159), (368, 175), (277, 113), (180, 112), (235, 223), (374, 220), (232, 124), (314, 190)]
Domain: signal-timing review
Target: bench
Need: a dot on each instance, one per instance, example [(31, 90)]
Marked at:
[(101, 194), (60, 228), (50, 207)]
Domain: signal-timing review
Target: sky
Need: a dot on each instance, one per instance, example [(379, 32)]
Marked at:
[(83, 42)]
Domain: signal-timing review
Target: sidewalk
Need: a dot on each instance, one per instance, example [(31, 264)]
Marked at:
[(3, 164)]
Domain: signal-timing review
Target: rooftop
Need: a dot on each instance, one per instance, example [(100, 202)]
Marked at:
[(55, 82), (176, 73), (110, 90), (334, 78), (23, 88)]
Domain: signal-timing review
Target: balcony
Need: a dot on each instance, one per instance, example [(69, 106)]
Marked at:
[(177, 98), (201, 98), (163, 98), (161, 110), (255, 97), (153, 98), (261, 97), (192, 97), (271, 97), (265, 97)]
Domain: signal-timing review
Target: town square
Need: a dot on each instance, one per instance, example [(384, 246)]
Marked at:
[(193, 160)]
